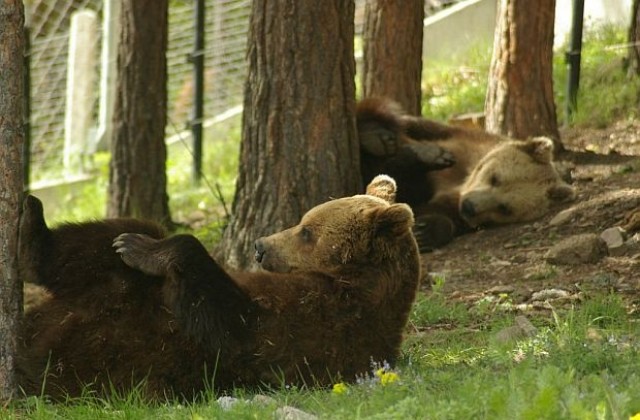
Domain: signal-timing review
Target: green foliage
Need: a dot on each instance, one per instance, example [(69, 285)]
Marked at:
[(434, 308), (606, 92), (211, 200), (450, 89)]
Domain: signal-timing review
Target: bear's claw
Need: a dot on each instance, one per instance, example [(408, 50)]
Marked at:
[(137, 251), (432, 155)]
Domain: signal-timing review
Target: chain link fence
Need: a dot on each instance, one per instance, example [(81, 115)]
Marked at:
[(226, 26), (49, 21)]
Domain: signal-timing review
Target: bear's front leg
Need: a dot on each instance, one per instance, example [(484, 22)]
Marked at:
[(143, 253), (205, 300), (430, 155)]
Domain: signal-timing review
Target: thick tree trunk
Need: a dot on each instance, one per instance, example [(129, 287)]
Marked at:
[(299, 145), (634, 38), (392, 63), (11, 182), (137, 179), (520, 94)]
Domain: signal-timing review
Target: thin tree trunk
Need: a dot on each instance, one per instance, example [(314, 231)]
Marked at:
[(520, 94), (392, 62), (299, 145), (12, 44), (137, 179)]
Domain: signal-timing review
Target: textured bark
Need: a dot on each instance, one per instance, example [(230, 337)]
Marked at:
[(299, 144), (392, 64), (520, 93), (634, 38), (137, 179), (11, 182)]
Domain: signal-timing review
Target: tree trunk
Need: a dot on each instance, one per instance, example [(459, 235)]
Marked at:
[(137, 178), (299, 145), (520, 93), (11, 182), (634, 39), (392, 63)]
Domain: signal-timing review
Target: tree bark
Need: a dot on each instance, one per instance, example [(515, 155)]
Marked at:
[(137, 178), (392, 62), (12, 44), (634, 39), (299, 145), (519, 99)]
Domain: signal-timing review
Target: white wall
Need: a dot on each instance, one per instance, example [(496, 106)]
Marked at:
[(471, 23)]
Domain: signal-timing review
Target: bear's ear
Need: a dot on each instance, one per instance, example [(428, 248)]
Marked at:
[(391, 221), (539, 148), (383, 186), (561, 193)]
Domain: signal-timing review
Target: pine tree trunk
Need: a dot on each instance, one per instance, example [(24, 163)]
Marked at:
[(299, 145), (392, 62), (137, 178), (520, 100), (12, 44)]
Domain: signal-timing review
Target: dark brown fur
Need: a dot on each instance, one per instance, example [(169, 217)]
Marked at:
[(187, 324)]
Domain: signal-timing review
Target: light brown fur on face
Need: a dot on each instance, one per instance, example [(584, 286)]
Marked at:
[(336, 235), (515, 182)]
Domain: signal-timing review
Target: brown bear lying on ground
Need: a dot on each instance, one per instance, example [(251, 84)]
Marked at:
[(160, 310), (456, 178)]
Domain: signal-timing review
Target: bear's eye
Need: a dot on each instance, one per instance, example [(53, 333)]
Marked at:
[(504, 210), (305, 234), (494, 180)]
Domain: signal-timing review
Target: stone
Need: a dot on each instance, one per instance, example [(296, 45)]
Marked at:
[(585, 248), (562, 217), (614, 237), (522, 328), (291, 413)]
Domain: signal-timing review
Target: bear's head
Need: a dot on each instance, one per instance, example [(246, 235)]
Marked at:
[(515, 182), (343, 235)]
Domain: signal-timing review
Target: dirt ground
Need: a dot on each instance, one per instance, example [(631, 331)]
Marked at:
[(509, 262)]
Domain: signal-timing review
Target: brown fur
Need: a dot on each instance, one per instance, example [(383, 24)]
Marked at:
[(491, 179), (336, 297)]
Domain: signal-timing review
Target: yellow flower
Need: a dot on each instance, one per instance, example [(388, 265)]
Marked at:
[(635, 417), (386, 378), (339, 388)]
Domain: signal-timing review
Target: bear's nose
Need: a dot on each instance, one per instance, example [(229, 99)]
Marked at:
[(259, 246), (467, 209)]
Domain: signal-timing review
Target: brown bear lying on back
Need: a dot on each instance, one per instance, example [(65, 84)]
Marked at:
[(456, 178), (160, 311)]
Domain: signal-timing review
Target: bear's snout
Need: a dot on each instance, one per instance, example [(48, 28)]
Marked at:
[(467, 209), (259, 246)]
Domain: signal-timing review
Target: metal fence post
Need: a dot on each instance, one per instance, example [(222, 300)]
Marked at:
[(197, 58), (573, 60)]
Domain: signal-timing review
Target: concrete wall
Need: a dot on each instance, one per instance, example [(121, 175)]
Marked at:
[(471, 23), (452, 32)]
